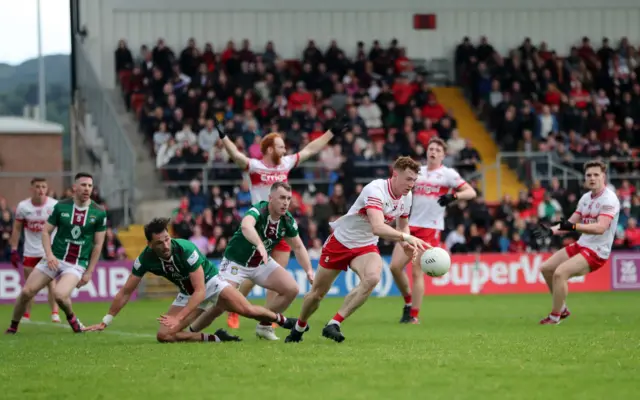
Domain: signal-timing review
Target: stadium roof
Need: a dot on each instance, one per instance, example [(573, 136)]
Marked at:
[(25, 125)]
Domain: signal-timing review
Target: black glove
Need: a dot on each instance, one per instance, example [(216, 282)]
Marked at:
[(542, 232), (339, 126), (566, 225), (220, 128), (447, 199)]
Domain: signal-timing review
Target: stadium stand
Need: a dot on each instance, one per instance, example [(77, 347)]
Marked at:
[(529, 100)]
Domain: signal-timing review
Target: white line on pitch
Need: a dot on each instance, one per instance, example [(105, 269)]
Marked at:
[(119, 333)]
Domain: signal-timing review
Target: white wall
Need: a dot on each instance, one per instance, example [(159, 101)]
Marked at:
[(290, 23)]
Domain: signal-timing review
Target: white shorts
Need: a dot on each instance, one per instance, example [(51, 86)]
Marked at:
[(63, 269), (213, 289), (236, 273)]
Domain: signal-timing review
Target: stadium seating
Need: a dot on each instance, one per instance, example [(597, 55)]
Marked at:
[(143, 93)]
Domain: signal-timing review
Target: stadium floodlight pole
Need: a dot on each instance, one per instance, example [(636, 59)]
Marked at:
[(42, 100)]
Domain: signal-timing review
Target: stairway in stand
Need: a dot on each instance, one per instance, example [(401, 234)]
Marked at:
[(473, 129)]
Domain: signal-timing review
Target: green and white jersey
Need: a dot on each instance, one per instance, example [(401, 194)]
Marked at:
[(185, 259), (241, 251), (77, 227)]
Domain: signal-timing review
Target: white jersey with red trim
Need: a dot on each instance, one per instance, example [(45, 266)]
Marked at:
[(261, 176), (33, 219), (353, 229), (590, 207), (426, 212)]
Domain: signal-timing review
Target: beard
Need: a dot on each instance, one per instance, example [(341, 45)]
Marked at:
[(276, 158)]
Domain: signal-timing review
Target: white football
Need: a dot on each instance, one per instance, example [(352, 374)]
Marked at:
[(435, 262)]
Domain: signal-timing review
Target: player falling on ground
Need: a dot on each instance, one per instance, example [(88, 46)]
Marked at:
[(273, 167), (437, 187), (248, 256), (73, 254), (596, 218), (353, 244), (32, 214), (200, 287)]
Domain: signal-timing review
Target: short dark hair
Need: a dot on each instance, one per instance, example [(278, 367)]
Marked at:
[(155, 226), (82, 175), (283, 185), (595, 164), (38, 179)]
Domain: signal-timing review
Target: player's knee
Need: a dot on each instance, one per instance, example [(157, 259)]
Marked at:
[(547, 268), (59, 296), (28, 292), (559, 274), (165, 337), (370, 280), (316, 294), (291, 292)]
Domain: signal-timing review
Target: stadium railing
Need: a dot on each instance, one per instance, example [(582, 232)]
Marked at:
[(314, 173), (106, 119)]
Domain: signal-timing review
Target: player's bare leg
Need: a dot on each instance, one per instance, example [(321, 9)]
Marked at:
[(575, 266), (548, 269), (55, 312), (232, 300), (62, 295), (233, 320), (368, 267), (36, 281), (284, 289), (164, 335), (399, 260), (321, 284)]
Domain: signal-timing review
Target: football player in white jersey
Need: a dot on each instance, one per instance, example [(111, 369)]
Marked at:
[(354, 244), (273, 167), (596, 218), (437, 186), (32, 214)]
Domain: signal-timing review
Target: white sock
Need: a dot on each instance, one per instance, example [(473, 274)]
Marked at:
[(554, 317), (334, 322)]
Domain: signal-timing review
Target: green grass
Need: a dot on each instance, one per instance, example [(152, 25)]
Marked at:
[(485, 347)]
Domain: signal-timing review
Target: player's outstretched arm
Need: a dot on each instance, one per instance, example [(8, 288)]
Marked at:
[(380, 229), (118, 303), (466, 192), (236, 155), (320, 143), (248, 227), (302, 256)]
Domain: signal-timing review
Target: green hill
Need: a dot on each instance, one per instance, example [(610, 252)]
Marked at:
[(57, 71)]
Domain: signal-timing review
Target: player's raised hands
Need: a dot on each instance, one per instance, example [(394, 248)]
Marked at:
[(220, 128)]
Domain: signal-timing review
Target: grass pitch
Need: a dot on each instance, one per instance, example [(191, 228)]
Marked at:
[(482, 347)]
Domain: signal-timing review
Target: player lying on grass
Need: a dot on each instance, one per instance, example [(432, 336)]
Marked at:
[(180, 262), (274, 166), (248, 256), (72, 256), (596, 218), (32, 214), (354, 244), (437, 187)]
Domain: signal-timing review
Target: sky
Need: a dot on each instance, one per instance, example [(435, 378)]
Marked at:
[(19, 29)]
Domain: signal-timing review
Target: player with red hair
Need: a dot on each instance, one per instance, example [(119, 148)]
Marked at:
[(273, 167)]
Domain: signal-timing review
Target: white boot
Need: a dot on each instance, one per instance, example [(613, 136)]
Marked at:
[(266, 332)]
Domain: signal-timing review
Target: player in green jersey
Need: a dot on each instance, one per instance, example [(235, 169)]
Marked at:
[(200, 287), (248, 256), (72, 256)]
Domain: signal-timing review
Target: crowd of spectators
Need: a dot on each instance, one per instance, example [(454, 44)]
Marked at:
[(112, 249), (392, 112)]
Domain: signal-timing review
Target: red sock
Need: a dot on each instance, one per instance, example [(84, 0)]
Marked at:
[(407, 299), (338, 317), (301, 323), (27, 315), (556, 314), (414, 313)]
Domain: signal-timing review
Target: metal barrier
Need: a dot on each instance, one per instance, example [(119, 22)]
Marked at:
[(545, 167), (106, 118), (309, 172)]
